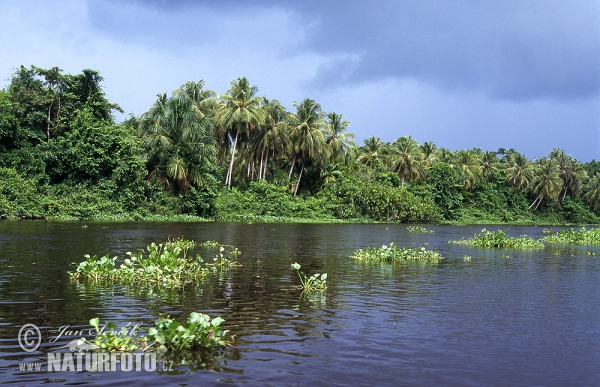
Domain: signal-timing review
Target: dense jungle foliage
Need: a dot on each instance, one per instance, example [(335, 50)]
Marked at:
[(239, 156)]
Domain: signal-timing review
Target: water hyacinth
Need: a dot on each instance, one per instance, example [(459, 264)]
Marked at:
[(499, 240), (316, 282), (572, 236), (393, 253), (164, 264), (167, 336), (418, 229)]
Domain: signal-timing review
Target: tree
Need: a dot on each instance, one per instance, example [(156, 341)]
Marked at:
[(469, 168), (444, 186), (519, 173), (337, 140), (546, 182), (428, 149), (308, 137), (178, 139), (238, 114), (406, 159), (372, 152), (272, 139), (592, 195), (489, 163), (572, 172)]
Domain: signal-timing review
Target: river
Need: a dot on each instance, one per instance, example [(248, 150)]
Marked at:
[(504, 317)]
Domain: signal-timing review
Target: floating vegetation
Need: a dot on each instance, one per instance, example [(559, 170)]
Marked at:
[(572, 236), (209, 244), (393, 253), (418, 229), (165, 264), (499, 240), (316, 282), (168, 336), (223, 260), (467, 258)]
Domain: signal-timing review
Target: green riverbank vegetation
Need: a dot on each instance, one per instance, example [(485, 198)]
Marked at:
[(239, 156)]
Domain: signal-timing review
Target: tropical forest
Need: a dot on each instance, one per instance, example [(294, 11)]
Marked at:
[(196, 154)]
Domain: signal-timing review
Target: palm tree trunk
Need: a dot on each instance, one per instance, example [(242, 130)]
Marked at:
[(260, 167), (264, 176), (228, 179), (299, 177), (292, 168), (48, 127)]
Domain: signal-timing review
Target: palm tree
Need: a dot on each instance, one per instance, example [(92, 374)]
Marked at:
[(520, 172), (308, 136), (546, 182), (572, 172), (337, 140), (428, 148), (444, 155), (469, 168), (272, 139), (238, 114), (407, 159), (592, 195), (372, 152), (204, 99), (178, 139), (489, 163)]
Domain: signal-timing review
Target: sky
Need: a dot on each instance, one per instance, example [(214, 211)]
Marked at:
[(487, 74)]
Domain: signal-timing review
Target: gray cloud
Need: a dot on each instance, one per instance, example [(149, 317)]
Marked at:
[(508, 49)]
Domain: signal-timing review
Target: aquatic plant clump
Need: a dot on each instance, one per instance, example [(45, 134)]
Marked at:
[(499, 240), (572, 236), (198, 332), (164, 264), (393, 253), (418, 229), (316, 282)]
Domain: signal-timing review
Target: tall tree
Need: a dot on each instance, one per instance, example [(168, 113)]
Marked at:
[(337, 139), (308, 136), (428, 149), (520, 172), (272, 139), (373, 151), (489, 163), (469, 168), (178, 138), (546, 182), (406, 159), (572, 173), (592, 195), (238, 114)]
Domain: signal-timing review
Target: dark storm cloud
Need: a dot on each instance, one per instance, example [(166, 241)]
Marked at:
[(510, 50)]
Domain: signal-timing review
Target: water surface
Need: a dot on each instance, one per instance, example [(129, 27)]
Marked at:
[(505, 317)]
